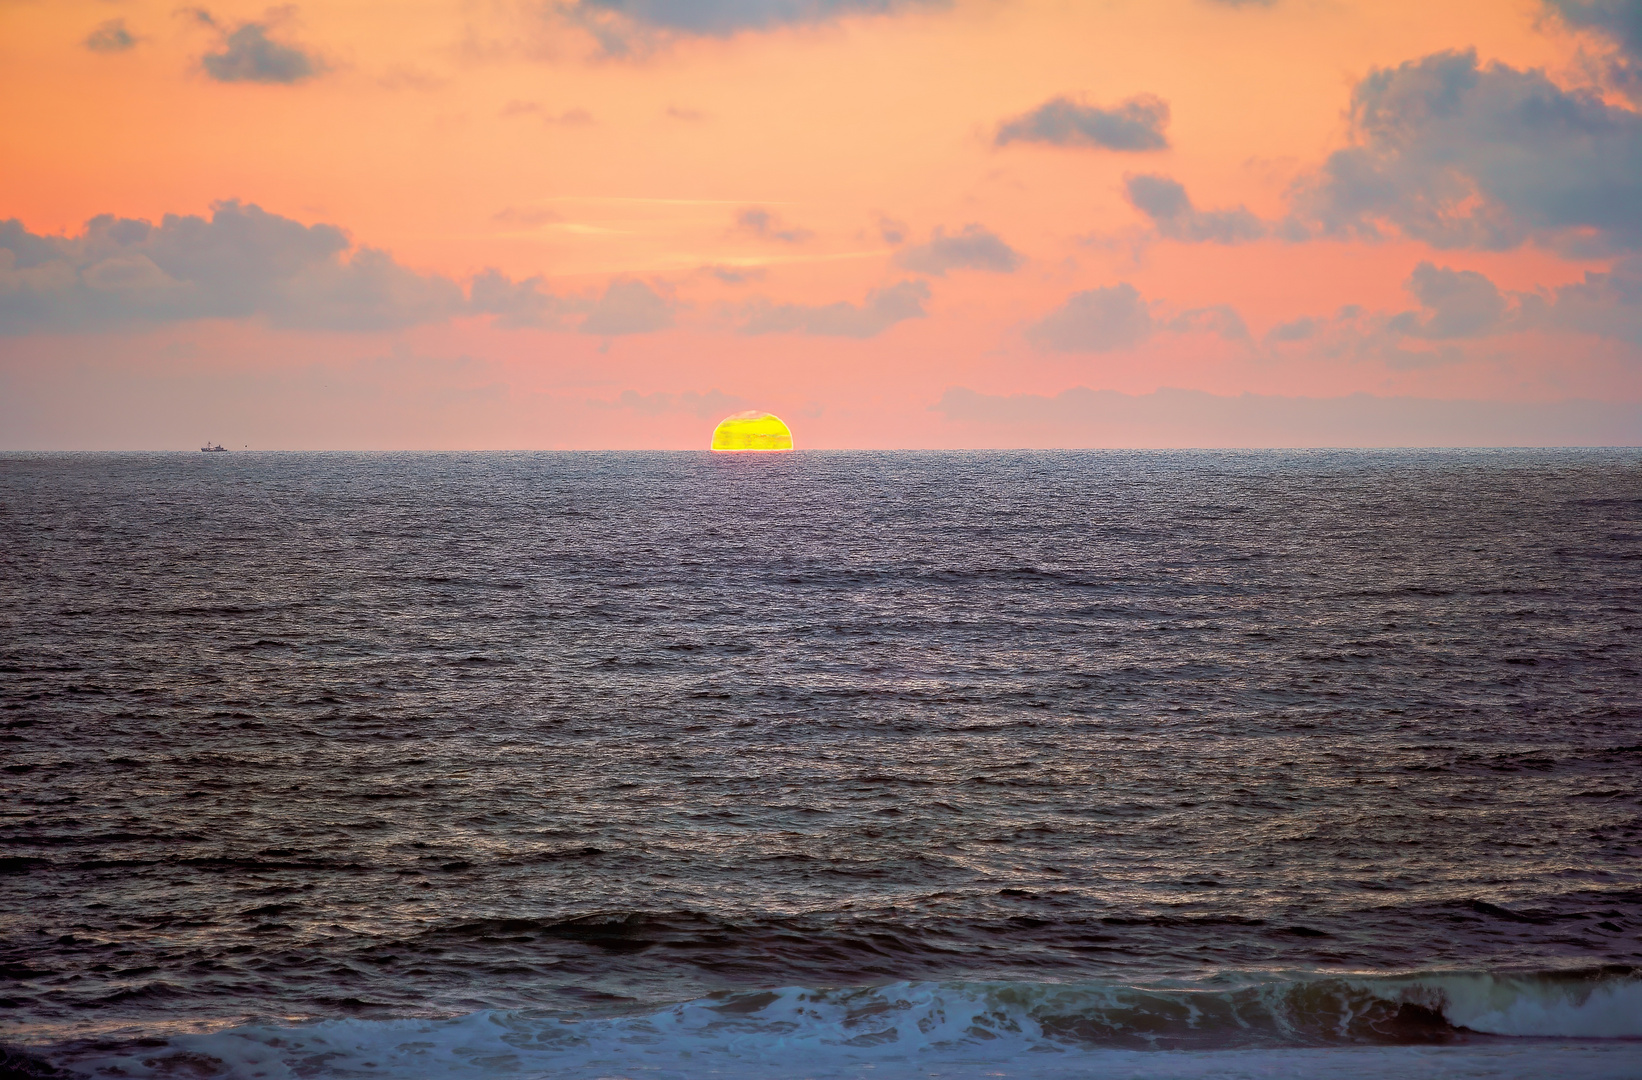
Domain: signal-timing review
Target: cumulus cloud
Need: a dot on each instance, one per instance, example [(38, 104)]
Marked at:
[(975, 248), (248, 54), (1134, 125), (1457, 304), (244, 262), (883, 308), (1464, 156), (1096, 320), (628, 306), (111, 36), (1620, 22), (759, 222), (626, 26), (1165, 201)]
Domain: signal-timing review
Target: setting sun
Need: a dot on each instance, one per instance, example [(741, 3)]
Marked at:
[(751, 432)]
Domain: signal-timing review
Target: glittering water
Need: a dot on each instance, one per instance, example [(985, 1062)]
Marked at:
[(1095, 752)]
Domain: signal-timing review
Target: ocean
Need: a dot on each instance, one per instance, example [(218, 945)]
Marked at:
[(869, 765)]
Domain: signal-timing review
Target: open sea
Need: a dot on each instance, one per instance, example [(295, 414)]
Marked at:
[(870, 765)]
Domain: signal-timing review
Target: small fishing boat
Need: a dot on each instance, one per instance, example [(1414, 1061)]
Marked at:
[(208, 448)]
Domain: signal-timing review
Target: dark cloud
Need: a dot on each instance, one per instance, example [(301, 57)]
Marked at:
[(1462, 156), (244, 262), (891, 230), (1606, 304), (1098, 320), (883, 308), (628, 306), (1134, 125), (1165, 201), (975, 248), (247, 54), (111, 36), (1171, 417), (1620, 22), (759, 222), (1457, 303), (626, 26)]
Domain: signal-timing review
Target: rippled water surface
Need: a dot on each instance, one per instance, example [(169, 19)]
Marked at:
[(582, 737)]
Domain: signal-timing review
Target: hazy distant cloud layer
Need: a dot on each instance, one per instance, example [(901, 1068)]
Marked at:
[(759, 222), (1135, 125), (1165, 201), (1459, 306), (244, 262), (974, 248), (1462, 156), (713, 405), (624, 26), (248, 54), (1620, 21), (111, 36), (883, 309), (1173, 417)]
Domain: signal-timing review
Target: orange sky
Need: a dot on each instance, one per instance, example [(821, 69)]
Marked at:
[(461, 136)]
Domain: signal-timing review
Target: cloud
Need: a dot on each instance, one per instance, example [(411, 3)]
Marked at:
[(1606, 304), (242, 262), (1457, 303), (1620, 21), (1462, 156), (1165, 201), (891, 230), (883, 308), (1097, 320), (111, 36), (759, 222), (626, 26), (518, 304), (1173, 417), (1134, 125), (1220, 319), (975, 248), (1301, 329), (247, 54), (713, 405), (569, 118), (735, 275), (628, 306)]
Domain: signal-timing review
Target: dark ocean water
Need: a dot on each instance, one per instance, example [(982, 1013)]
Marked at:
[(919, 764)]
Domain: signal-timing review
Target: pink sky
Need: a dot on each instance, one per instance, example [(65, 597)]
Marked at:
[(896, 223)]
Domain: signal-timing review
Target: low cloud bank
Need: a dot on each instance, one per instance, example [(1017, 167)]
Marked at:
[(246, 263), (1081, 417)]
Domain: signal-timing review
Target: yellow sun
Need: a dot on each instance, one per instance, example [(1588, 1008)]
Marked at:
[(751, 432)]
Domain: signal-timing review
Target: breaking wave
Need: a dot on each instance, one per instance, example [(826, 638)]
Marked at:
[(1327, 1025)]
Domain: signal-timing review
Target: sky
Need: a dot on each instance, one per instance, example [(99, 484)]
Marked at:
[(607, 224)]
